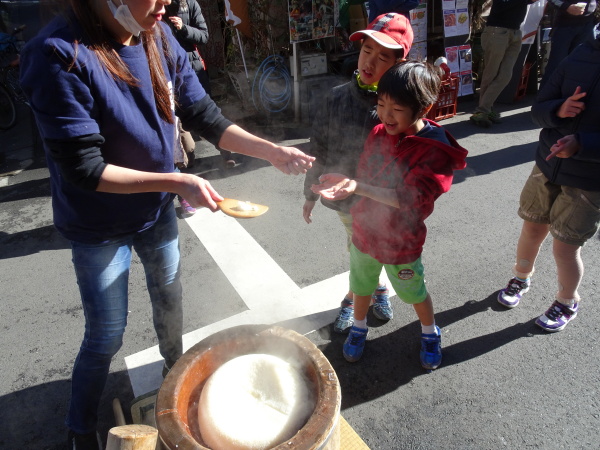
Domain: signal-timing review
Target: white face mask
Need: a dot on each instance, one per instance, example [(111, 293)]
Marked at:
[(123, 15)]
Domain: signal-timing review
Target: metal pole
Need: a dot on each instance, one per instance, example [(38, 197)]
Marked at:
[(296, 74), (242, 53)]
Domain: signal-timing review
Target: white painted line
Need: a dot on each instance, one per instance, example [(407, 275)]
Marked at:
[(247, 266)]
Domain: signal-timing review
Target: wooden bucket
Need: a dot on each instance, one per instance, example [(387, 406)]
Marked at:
[(178, 397)]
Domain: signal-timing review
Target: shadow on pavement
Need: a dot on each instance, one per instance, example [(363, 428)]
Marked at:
[(31, 242), (392, 360), (496, 160), (25, 190), (34, 418)]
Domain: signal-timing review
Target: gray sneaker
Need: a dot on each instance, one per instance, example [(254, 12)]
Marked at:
[(345, 318), (382, 307)]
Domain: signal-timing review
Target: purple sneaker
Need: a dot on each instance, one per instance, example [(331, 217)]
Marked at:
[(512, 293), (557, 317), (187, 210)]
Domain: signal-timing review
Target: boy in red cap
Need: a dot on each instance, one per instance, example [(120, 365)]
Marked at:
[(341, 127)]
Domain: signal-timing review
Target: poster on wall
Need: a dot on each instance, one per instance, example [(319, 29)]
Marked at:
[(311, 19), (418, 21), (452, 57), (418, 51), (450, 22), (466, 82), (463, 25), (465, 57)]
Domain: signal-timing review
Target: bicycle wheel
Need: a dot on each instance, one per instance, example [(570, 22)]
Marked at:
[(8, 111)]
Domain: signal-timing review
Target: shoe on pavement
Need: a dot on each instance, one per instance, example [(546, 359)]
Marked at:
[(431, 349), (355, 344), (187, 210), (345, 318), (512, 293), (481, 119), (382, 308), (557, 317), (494, 117), (88, 441)]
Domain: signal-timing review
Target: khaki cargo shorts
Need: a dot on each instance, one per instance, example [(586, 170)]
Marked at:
[(573, 214)]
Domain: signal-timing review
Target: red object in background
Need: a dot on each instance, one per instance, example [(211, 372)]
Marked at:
[(445, 106), (442, 63)]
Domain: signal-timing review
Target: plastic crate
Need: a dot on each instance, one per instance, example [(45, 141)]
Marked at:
[(445, 106), (522, 89)]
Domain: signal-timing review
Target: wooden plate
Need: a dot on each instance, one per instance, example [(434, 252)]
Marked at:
[(232, 208)]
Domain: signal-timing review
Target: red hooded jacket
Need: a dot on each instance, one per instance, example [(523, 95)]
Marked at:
[(420, 168)]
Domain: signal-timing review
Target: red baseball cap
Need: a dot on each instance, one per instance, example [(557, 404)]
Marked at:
[(390, 30)]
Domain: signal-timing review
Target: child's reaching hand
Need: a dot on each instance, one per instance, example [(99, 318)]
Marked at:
[(572, 105), (334, 186)]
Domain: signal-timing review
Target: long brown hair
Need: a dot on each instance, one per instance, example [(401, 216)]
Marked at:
[(99, 41)]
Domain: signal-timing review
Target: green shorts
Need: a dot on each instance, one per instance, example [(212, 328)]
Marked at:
[(573, 214), (407, 280), (346, 219)]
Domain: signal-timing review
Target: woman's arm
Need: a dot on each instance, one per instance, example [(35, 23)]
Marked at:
[(289, 160), (197, 191)]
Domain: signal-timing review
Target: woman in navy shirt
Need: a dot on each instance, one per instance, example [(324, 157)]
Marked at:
[(105, 81)]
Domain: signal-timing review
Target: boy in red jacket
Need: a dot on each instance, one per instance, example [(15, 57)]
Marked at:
[(407, 163)]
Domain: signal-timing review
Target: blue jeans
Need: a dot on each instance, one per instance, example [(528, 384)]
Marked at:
[(102, 272)]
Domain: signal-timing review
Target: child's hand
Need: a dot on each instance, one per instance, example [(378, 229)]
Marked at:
[(334, 186), (572, 106), (565, 147), (307, 211)]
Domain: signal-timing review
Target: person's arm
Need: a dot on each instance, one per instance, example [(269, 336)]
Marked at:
[(425, 181), (81, 163), (289, 160), (336, 186), (197, 191), (568, 7)]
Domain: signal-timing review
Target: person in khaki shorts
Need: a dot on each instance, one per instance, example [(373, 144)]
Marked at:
[(501, 43), (562, 194)]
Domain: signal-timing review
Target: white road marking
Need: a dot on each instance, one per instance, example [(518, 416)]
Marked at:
[(231, 246)]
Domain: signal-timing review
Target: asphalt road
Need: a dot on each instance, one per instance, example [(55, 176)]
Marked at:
[(503, 383)]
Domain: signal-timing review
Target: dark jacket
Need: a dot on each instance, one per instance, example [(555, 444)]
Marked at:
[(194, 32), (378, 7), (581, 170), (420, 168), (338, 136), (563, 18)]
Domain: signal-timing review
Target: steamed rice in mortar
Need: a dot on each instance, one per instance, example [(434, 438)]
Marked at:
[(255, 401)]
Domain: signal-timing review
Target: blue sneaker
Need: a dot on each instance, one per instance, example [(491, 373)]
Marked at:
[(382, 308), (355, 344), (345, 318), (512, 293), (431, 350), (557, 317)]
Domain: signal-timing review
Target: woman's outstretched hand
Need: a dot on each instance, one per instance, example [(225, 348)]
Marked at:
[(291, 161)]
